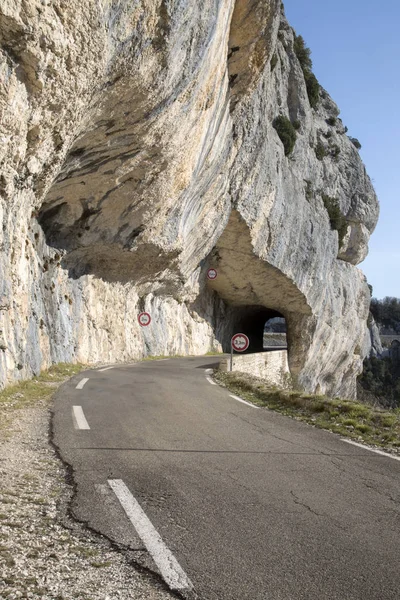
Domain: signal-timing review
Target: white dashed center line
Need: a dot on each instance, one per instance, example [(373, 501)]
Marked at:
[(79, 418), (105, 369), (166, 562), (244, 401), (371, 449), (82, 383)]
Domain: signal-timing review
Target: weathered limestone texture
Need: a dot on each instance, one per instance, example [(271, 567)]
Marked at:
[(272, 366), (137, 149)]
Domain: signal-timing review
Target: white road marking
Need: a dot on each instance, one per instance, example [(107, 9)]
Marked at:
[(244, 401), (371, 449), (169, 567), (209, 371), (79, 418), (105, 369), (82, 383), (210, 380)]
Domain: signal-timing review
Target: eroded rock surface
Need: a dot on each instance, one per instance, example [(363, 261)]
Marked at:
[(138, 149)]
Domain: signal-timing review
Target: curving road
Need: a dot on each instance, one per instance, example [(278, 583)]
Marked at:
[(227, 501)]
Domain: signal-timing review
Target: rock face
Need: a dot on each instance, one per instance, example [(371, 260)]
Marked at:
[(138, 149), (376, 343)]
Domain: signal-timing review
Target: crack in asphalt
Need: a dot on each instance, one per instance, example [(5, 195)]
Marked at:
[(297, 500)]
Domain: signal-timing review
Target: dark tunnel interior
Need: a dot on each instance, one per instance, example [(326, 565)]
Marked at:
[(251, 321)]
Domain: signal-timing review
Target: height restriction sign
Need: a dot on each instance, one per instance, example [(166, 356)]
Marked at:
[(144, 319), (240, 342)]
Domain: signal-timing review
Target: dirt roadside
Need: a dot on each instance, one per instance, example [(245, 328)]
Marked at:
[(44, 553)]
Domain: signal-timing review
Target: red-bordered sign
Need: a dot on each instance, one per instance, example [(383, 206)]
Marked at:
[(144, 319), (212, 274), (240, 342)]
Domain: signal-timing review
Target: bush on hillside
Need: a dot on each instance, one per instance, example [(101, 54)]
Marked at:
[(312, 89), (336, 218), (286, 132), (304, 57), (355, 143), (320, 151)]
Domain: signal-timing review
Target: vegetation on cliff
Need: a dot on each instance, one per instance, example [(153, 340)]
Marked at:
[(286, 132), (304, 57)]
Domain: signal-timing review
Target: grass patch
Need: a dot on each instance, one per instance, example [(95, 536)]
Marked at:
[(101, 565), (27, 393), (348, 418)]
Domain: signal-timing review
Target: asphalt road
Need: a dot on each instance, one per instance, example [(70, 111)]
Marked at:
[(252, 505)]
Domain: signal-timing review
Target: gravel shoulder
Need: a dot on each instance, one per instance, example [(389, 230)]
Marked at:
[(44, 553)]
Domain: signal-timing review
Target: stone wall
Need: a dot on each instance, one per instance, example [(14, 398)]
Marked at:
[(272, 366)]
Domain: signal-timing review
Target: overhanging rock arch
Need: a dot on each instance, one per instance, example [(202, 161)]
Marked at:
[(254, 289)]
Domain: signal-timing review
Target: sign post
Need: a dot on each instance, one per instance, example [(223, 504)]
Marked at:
[(239, 342)]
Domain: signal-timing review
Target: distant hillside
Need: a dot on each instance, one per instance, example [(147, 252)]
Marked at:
[(380, 379), (386, 313)]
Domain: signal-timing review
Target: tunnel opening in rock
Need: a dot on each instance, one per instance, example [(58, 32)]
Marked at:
[(252, 321), (275, 333), (256, 293)]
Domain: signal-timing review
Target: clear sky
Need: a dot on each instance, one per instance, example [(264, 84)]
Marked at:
[(355, 48)]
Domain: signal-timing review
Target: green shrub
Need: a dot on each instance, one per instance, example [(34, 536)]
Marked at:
[(286, 132), (304, 57), (320, 151), (296, 124), (336, 218), (355, 143), (335, 151), (313, 88), (302, 52), (331, 121)]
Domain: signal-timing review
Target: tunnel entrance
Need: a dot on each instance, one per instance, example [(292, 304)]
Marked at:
[(254, 291), (256, 322)]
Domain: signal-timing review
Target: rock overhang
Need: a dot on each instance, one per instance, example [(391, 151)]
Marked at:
[(172, 150)]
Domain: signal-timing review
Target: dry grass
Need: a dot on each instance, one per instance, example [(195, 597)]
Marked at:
[(348, 418), (25, 394)]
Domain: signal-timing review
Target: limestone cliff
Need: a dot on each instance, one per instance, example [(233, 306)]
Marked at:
[(137, 149)]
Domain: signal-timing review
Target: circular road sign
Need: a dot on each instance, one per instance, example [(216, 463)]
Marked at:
[(144, 319), (212, 274), (240, 342)]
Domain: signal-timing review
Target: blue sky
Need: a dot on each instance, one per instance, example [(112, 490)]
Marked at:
[(355, 48)]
